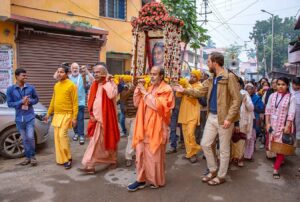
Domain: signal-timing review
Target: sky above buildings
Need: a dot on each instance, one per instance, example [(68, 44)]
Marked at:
[(231, 21)]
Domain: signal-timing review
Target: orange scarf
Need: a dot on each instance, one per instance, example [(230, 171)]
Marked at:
[(152, 125), (110, 124)]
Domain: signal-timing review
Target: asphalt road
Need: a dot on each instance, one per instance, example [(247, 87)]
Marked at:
[(50, 182)]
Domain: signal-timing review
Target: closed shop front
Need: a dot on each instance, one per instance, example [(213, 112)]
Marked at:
[(41, 51)]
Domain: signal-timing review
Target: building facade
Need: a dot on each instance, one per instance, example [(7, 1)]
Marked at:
[(39, 35)]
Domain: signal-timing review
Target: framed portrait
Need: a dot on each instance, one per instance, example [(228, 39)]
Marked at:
[(156, 52)]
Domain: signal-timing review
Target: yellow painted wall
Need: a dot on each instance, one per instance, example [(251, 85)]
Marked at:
[(119, 38), (4, 9), (8, 39), (127, 65)]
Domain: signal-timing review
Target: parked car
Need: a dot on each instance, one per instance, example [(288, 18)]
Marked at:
[(10, 139)]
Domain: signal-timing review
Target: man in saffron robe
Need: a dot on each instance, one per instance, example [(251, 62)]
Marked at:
[(151, 130), (189, 117), (103, 125)]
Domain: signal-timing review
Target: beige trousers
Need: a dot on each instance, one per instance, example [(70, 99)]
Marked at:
[(212, 129), (129, 123)]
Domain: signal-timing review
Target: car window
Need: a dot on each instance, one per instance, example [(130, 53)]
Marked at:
[(2, 98)]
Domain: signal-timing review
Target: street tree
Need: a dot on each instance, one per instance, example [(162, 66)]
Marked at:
[(283, 33), (251, 53), (192, 32), (210, 43), (231, 55)]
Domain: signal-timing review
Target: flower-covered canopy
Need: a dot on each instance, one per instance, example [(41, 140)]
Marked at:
[(154, 16), (154, 22)]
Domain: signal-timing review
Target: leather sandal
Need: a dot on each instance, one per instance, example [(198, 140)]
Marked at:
[(209, 176), (216, 181)]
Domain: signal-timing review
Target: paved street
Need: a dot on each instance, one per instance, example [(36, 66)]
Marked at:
[(50, 182)]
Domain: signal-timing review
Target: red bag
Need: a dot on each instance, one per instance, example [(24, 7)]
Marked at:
[(238, 136)]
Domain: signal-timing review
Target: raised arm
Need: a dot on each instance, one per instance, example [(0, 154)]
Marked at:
[(198, 92), (111, 89)]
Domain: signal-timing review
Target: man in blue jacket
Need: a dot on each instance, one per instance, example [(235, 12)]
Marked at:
[(22, 97)]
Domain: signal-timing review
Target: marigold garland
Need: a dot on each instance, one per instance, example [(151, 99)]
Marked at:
[(129, 79)]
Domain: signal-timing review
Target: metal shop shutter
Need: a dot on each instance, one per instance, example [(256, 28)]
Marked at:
[(41, 53)]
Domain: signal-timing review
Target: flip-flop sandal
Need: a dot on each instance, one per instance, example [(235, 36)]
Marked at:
[(276, 176), (216, 181)]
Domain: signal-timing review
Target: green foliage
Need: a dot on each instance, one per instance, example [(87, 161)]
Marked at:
[(283, 33), (210, 44), (251, 53), (64, 22), (82, 24), (185, 10), (231, 54), (77, 23)]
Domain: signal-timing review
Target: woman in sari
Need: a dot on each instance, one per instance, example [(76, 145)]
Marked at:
[(280, 114), (244, 127)]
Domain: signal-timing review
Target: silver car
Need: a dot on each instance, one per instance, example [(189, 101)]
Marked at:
[(10, 139)]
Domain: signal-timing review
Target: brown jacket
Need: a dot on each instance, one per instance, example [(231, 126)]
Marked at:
[(126, 98), (228, 96)]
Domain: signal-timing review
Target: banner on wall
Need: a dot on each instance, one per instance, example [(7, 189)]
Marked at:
[(6, 67)]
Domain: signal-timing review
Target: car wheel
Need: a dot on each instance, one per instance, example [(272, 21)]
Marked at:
[(11, 145)]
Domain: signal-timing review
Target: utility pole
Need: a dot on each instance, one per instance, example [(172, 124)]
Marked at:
[(272, 45), (265, 62), (257, 62), (195, 50), (205, 11)]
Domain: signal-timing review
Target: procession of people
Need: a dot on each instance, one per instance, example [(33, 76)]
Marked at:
[(239, 117)]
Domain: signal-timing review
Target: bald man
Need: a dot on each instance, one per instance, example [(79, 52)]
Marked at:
[(103, 125), (151, 129)]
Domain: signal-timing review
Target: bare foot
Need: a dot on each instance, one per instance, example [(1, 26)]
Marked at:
[(113, 166)]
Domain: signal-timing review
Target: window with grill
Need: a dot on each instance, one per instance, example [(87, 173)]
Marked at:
[(113, 9)]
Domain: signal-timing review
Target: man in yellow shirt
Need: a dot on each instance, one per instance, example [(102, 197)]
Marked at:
[(189, 117), (64, 105)]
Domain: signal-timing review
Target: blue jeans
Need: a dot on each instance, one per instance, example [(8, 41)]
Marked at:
[(26, 129), (173, 127), (79, 129), (200, 129), (122, 122)]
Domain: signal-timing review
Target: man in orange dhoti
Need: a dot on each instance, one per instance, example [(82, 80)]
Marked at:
[(151, 130), (103, 125)]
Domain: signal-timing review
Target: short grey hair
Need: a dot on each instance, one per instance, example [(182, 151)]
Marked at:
[(74, 64)]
